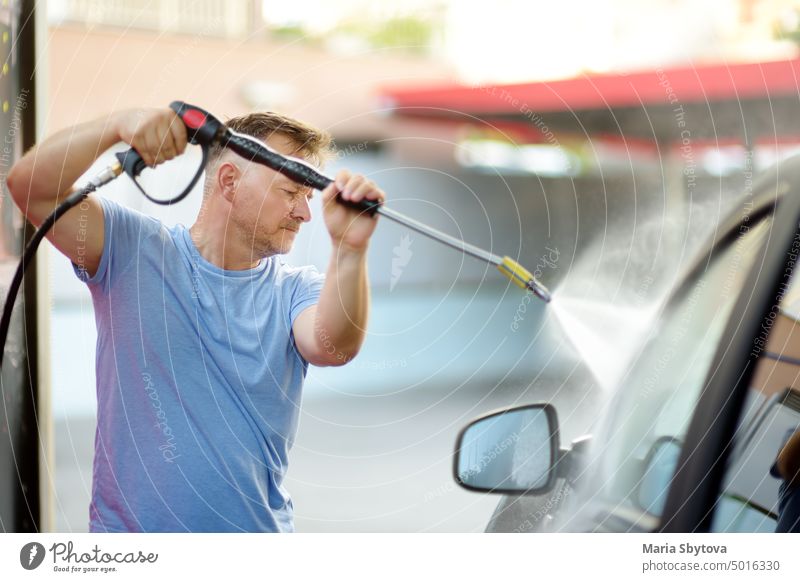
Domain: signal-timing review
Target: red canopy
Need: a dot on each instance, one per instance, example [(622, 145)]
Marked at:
[(607, 91)]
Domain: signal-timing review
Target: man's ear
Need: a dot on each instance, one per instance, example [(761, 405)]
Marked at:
[(228, 175)]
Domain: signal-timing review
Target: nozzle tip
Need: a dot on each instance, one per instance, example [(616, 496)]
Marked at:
[(540, 290)]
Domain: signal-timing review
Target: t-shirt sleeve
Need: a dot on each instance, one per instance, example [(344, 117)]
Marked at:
[(123, 230), (306, 291)]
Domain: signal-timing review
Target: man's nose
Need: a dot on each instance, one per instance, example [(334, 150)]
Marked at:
[(302, 210)]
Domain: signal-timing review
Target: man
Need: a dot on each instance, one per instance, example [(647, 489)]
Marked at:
[(204, 334)]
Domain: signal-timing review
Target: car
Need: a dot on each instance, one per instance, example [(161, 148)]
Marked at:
[(686, 440)]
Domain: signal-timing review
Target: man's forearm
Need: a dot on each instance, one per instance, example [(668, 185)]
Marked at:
[(343, 308), (52, 167)]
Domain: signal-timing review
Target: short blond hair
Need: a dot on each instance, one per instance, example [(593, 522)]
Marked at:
[(314, 144)]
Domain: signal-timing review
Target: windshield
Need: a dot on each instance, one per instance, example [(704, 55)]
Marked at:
[(656, 400)]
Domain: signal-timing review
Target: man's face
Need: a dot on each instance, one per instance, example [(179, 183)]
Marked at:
[(268, 207)]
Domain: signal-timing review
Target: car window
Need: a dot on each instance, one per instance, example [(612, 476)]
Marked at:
[(642, 434)]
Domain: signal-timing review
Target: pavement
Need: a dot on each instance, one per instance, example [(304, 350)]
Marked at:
[(366, 463)]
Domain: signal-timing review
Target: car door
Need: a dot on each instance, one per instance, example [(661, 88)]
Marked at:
[(644, 441), (694, 495)]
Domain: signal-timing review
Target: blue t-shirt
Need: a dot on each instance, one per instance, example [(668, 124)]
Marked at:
[(198, 383)]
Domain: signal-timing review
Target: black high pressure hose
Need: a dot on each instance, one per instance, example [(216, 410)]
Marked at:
[(30, 250)]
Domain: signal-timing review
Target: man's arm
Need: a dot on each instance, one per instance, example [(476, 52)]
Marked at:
[(331, 333), (44, 176)]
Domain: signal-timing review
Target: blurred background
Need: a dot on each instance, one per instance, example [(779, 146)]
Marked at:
[(596, 142)]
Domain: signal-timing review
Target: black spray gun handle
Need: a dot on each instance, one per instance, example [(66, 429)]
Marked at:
[(202, 129), (205, 130)]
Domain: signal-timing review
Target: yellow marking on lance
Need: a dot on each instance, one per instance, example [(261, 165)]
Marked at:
[(516, 272)]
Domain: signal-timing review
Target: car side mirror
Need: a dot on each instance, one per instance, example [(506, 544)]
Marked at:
[(512, 451)]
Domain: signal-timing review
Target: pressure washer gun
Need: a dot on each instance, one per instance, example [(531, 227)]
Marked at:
[(205, 130)]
